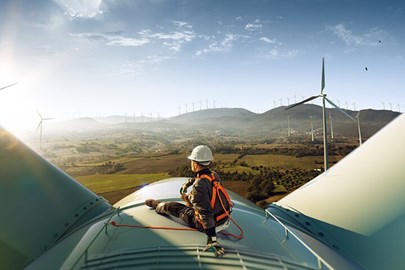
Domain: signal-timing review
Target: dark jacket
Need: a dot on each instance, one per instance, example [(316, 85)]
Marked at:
[(200, 197)]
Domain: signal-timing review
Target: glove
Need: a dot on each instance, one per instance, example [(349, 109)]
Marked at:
[(214, 246), (183, 189), (188, 183)]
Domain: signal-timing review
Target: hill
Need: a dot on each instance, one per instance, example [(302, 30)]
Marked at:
[(242, 122)]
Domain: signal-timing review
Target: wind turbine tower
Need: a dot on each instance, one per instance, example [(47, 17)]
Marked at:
[(40, 128), (312, 128), (358, 126)]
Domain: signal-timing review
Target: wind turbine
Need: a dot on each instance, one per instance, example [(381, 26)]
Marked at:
[(331, 126), (358, 126), (312, 127), (324, 128), (4, 87), (383, 103), (40, 128)]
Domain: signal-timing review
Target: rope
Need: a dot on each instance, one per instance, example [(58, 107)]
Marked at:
[(113, 223)]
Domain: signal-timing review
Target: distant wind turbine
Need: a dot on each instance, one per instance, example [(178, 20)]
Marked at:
[(214, 102), (354, 106), (358, 126), (274, 103), (40, 128), (312, 128), (383, 103), (390, 105), (179, 109), (324, 100), (288, 101)]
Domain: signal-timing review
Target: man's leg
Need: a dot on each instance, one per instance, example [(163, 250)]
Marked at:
[(175, 209)]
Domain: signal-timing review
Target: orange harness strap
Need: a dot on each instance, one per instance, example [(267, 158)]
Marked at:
[(216, 187)]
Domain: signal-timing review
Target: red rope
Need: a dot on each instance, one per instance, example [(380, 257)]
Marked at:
[(113, 223)]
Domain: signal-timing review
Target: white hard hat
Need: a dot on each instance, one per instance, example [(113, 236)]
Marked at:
[(202, 154)]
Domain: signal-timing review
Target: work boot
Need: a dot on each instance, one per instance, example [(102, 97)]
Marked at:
[(152, 203)]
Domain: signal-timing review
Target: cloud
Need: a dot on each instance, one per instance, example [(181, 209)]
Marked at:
[(370, 38), (80, 8), (224, 45), (269, 41), (173, 40), (253, 26), (133, 68), (112, 39), (182, 24), (276, 53)]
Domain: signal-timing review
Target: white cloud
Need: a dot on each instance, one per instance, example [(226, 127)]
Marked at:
[(269, 41), (173, 40), (224, 45), (275, 53), (134, 68), (113, 40), (182, 24), (80, 8), (253, 26), (369, 38)]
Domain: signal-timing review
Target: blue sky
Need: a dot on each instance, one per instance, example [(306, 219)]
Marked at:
[(96, 58)]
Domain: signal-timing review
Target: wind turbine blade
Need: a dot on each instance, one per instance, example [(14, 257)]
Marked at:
[(39, 125), (40, 116), (7, 86), (337, 107), (358, 114), (323, 75), (299, 103), (47, 118)]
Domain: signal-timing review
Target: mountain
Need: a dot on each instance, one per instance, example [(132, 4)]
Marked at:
[(240, 121)]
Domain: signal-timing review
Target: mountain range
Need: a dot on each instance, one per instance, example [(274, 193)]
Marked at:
[(240, 121)]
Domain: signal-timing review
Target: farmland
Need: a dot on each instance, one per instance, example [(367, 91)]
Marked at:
[(116, 165)]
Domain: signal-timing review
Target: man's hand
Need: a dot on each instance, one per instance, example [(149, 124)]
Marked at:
[(214, 246), (183, 189), (186, 185)]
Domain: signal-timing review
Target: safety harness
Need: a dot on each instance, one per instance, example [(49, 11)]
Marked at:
[(217, 191)]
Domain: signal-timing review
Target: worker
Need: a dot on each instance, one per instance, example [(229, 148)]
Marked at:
[(208, 204)]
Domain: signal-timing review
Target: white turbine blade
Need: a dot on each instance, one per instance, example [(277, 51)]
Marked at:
[(47, 118), (358, 114), (7, 86), (40, 116), (337, 107), (323, 76), (302, 102), (39, 125)]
